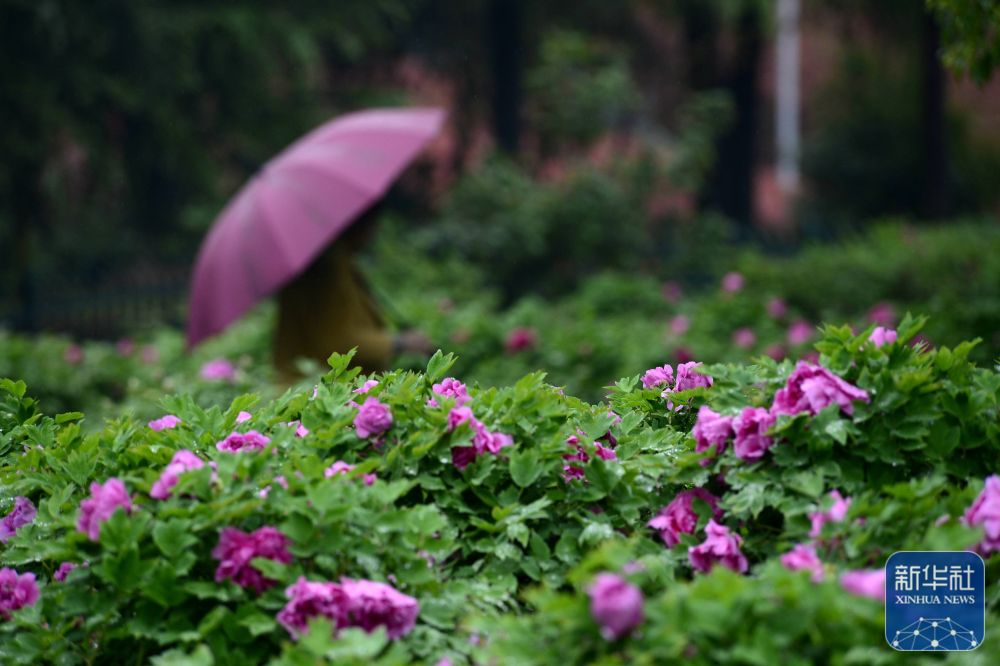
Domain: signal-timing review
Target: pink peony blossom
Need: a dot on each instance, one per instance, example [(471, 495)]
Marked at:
[(73, 354), (183, 461), (16, 591), (733, 282), (803, 556), (300, 430), (63, 571), (459, 415), (520, 339), (865, 583), (237, 548), (835, 514), (777, 308), (22, 514), (672, 291), (744, 338), (239, 441), (811, 388), (451, 388), (615, 605), (775, 351), (800, 333), (883, 336), (657, 376), (882, 314), (243, 416), (680, 324), (751, 441), (125, 347), (688, 378), (711, 430), (165, 422), (351, 603), (373, 418), (375, 605), (720, 547), (462, 456), (104, 500), (150, 354), (367, 386), (341, 467), (985, 511), (679, 516), (218, 370)]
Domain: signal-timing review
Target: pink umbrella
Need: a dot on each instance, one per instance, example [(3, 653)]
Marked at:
[(296, 205)]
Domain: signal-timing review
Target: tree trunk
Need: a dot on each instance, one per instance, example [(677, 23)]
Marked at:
[(505, 47), (936, 202)]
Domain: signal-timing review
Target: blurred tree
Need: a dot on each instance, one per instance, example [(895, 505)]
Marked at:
[(168, 103), (971, 29)]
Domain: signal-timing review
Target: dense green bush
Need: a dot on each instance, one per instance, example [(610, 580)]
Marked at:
[(492, 512)]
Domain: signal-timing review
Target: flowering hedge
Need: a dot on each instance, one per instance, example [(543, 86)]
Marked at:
[(411, 518)]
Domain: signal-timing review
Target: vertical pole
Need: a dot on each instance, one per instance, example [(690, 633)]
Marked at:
[(786, 107)]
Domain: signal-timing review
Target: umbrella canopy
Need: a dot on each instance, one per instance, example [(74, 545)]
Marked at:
[(296, 205)]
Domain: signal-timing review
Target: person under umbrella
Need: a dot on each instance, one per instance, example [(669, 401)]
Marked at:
[(294, 229), (330, 308)]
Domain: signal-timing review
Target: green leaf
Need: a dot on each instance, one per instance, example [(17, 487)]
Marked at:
[(525, 467), (438, 366), (173, 537), (202, 656)]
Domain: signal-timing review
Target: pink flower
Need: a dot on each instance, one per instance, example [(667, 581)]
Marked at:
[(308, 600), (775, 351), (238, 441), (73, 354), (732, 282), (266, 490), (300, 430), (237, 548), (811, 388), (451, 388), (519, 339), (604, 453), (672, 291), (340, 467), (615, 605), (985, 511), (125, 347), (680, 324), (656, 376), (836, 513), (104, 500), (882, 314), (777, 308), (688, 379), (882, 336), (720, 547), (218, 370), (374, 605), (183, 461), (744, 338), (462, 456), (367, 386), (150, 354), (803, 556), (243, 417), (459, 415), (373, 418), (751, 426), (22, 514), (16, 591), (350, 603), (679, 516), (865, 583), (63, 571), (799, 333), (164, 423), (711, 430)]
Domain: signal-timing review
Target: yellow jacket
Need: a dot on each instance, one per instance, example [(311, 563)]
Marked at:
[(329, 309)]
